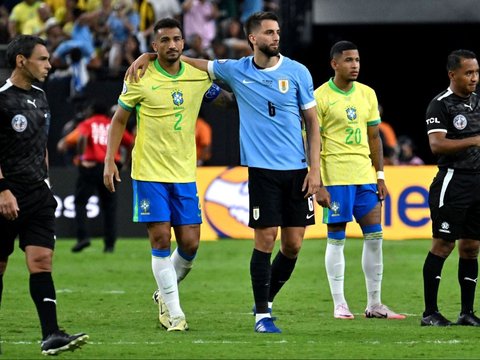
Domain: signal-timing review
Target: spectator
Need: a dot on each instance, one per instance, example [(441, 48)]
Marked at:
[(4, 34), (199, 17), (131, 50), (406, 152), (150, 12), (92, 146), (21, 13), (203, 140), (37, 24), (55, 34), (195, 48), (234, 39), (123, 21)]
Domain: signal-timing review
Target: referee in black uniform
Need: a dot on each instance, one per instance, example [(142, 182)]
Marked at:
[(453, 126), (27, 206)]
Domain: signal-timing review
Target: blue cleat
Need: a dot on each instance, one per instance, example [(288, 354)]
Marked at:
[(266, 325)]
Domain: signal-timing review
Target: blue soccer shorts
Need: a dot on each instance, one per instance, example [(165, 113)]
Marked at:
[(177, 203), (348, 201)]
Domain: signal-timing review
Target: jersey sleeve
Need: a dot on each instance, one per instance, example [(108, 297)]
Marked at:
[(374, 118), (222, 69), (131, 95), (305, 89), (321, 109), (436, 117)]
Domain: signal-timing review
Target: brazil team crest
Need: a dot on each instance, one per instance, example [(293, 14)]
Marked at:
[(351, 113), (283, 85), (177, 97)]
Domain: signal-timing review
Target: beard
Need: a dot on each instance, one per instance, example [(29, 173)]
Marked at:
[(172, 57), (269, 51)]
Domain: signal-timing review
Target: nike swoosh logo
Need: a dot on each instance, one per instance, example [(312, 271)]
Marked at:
[(155, 87), (470, 279), (309, 216), (247, 81), (332, 103), (51, 300)]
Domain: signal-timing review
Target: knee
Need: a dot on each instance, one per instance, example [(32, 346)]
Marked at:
[(41, 262), (468, 249), (291, 249), (189, 247), (442, 248)]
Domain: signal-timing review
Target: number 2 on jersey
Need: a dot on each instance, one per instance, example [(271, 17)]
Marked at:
[(177, 126)]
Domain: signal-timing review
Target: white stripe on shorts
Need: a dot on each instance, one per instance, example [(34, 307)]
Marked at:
[(446, 181)]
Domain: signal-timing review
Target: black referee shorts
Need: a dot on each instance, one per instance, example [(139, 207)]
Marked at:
[(35, 224), (276, 198), (454, 200)]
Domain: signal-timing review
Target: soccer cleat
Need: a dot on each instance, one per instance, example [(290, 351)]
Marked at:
[(82, 244), (468, 319), (163, 313), (59, 341), (178, 324), (435, 319), (381, 311), (266, 325), (342, 312)]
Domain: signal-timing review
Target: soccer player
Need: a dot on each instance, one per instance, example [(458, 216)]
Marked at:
[(27, 205), (349, 118), (273, 93), (453, 127), (167, 100)]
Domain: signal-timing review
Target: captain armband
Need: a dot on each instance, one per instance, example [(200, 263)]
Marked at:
[(212, 93)]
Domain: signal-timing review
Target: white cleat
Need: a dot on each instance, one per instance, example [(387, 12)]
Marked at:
[(343, 312), (381, 311), (163, 313)]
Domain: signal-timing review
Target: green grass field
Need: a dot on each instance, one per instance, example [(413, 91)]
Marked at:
[(109, 297)]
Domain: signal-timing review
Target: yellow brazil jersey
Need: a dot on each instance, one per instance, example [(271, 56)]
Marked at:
[(167, 108), (344, 118)]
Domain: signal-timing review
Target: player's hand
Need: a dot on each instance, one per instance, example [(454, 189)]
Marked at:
[(323, 197), (8, 205), (137, 69), (382, 191), (110, 173), (312, 183)]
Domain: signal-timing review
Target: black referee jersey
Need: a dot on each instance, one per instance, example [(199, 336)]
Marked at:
[(459, 118), (24, 125)]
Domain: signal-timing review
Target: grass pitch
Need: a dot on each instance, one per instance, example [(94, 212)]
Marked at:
[(109, 297)]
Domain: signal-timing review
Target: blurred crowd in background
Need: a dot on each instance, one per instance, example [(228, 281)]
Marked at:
[(102, 37)]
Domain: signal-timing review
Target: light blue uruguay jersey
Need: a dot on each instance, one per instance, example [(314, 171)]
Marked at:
[(270, 102)]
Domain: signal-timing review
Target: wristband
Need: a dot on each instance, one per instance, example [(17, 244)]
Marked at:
[(4, 185), (380, 175)]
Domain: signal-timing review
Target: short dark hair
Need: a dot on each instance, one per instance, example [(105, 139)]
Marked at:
[(167, 23), (22, 45), (454, 59), (255, 20), (339, 47)]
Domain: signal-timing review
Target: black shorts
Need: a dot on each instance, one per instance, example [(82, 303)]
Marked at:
[(276, 198), (454, 200), (35, 224)]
